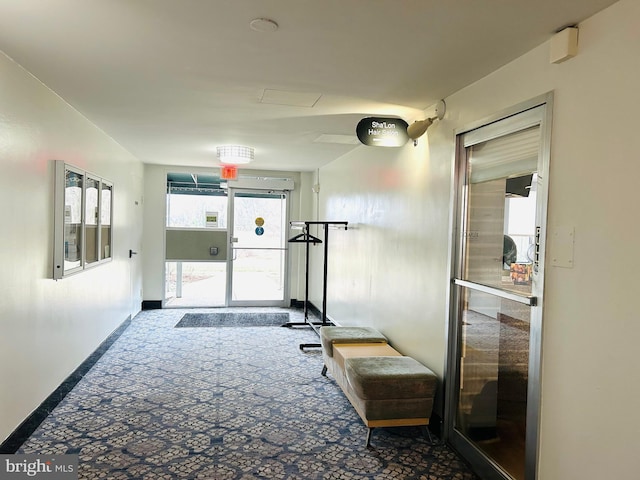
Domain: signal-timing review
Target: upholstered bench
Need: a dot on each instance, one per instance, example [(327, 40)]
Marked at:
[(330, 336), (390, 391), (386, 388)]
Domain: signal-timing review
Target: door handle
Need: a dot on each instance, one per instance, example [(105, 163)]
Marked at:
[(233, 240), (536, 261), (132, 253)]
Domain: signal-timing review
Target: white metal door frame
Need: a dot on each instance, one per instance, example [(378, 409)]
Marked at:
[(535, 112), (231, 249)]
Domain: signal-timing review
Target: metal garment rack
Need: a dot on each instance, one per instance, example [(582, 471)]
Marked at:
[(308, 239)]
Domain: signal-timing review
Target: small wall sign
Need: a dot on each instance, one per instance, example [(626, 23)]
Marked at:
[(382, 131), (212, 219), (259, 222)]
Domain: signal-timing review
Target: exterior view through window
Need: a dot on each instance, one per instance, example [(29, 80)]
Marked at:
[(225, 246), (189, 201)]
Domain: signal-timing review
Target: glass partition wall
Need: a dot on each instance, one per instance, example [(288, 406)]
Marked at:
[(196, 202)]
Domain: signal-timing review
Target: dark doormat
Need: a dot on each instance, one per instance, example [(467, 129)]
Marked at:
[(232, 319)]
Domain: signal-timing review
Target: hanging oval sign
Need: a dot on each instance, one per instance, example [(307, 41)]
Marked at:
[(382, 131)]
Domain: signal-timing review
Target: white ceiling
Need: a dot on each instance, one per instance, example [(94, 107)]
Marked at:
[(172, 79)]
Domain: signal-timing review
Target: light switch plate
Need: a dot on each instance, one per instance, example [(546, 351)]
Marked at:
[(561, 247)]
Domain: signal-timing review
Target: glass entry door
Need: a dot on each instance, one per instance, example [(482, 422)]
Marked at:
[(257, 272), (497, 291)]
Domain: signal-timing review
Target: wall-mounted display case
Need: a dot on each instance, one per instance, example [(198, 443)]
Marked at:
[(82, 220)]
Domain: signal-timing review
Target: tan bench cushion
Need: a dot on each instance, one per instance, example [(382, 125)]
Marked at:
[(332, 335), (342, 351)]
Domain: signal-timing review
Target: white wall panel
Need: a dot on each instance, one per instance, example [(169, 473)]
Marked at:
[(388, 270), (49, 327)]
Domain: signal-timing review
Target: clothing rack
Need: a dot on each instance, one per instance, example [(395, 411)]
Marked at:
[(308, 239)]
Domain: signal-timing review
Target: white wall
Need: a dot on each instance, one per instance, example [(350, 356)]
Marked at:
[(389, 268), (155, 196), (49, 327), (297, 254), (391, 272)]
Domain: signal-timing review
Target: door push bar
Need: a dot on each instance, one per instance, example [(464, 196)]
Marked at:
[(532, 301)]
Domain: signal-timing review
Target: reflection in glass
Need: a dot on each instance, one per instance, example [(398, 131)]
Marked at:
[(72, 220), (105, 221), (493, 377), (501, 212), (91, 220), (498, 251)]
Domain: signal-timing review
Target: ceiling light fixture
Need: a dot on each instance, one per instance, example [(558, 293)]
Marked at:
[(234, 154), (418, 128)]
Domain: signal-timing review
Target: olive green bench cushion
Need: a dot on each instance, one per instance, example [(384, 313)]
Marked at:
[(389, 377), (389, 390), (331, 335)]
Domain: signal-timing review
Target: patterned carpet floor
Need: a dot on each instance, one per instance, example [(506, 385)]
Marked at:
[(225, 403)]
